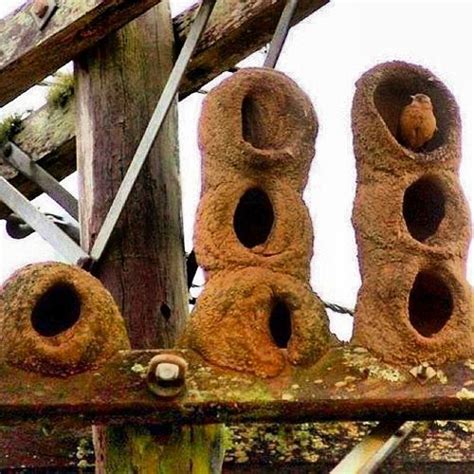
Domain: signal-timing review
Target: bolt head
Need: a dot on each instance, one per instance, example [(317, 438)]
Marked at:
[(166, 375), (40, 8), (167, 371)]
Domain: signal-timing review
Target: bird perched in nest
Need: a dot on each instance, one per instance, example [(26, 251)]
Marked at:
[(417, 122)]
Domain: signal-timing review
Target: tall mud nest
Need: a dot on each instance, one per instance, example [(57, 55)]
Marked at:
[(253, 234), (412, 224), (58, 320)]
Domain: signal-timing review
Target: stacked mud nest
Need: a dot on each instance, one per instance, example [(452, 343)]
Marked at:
[(412, 224), (253, 234)]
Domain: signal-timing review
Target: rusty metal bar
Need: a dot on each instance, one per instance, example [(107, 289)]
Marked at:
[(337, 388)]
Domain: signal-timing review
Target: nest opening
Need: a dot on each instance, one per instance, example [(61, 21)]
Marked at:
[(430, 304), (424, 207), (393, 94), (253, 218), (280, 324), (259, 127), (57, 310)]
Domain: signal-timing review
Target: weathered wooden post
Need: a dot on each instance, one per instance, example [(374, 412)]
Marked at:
[(118, 84)]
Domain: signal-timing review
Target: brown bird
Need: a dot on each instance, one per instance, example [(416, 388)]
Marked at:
[(417, 122)]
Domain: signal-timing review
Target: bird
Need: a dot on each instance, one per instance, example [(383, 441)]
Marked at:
[(417, 123)]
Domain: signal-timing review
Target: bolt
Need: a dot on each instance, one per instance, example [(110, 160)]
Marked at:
[(40, 8), (166, 371), (166, 375)]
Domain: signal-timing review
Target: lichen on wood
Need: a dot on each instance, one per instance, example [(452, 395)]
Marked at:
[(61, 91)]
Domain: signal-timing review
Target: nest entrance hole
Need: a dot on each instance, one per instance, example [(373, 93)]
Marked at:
[(280, 324), (260, 125), (424, 207), (57, 310), (393, 94), (430, 304), (253, 218)]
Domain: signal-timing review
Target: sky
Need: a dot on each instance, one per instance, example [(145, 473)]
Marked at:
[(325, 55)]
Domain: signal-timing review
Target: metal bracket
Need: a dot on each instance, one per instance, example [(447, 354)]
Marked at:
[(42, 11), (16, 157), (40, 223), (281, 32), (159, 114)]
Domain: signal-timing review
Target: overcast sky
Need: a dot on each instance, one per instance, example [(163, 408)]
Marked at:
[(325, 55)]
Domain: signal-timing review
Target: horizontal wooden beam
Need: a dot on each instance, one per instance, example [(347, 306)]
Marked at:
[(346, 384), (48, 137), (236, 30), (29, 54), (310, 447)]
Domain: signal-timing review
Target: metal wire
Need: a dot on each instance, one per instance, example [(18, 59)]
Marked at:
[(338, 309)]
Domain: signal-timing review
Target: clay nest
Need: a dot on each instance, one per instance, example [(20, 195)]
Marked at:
[(58, 320)]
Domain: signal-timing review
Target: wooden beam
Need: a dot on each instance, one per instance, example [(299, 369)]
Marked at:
[(49, 134), (29, 54), (236, 29), (436, 446)]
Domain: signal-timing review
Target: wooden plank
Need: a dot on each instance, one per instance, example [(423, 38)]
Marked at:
[(28, 54), (432, 447), (346, 384), (236, 30), (118, 84), (49, 134)]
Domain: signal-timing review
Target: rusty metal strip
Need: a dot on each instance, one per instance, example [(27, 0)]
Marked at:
[(337, 388)]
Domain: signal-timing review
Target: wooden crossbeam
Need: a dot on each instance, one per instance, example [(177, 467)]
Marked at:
[(237, 29), (311, 447), (29, 54)]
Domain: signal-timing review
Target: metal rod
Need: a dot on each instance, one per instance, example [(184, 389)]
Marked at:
[(375, 448), (152, 129), (281, 32), (41, 224), (17, 158)]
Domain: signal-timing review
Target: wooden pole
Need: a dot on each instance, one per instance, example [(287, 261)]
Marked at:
[(118, 84)]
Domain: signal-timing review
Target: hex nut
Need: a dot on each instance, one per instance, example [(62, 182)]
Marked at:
[(166, 375), (40, 8)]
